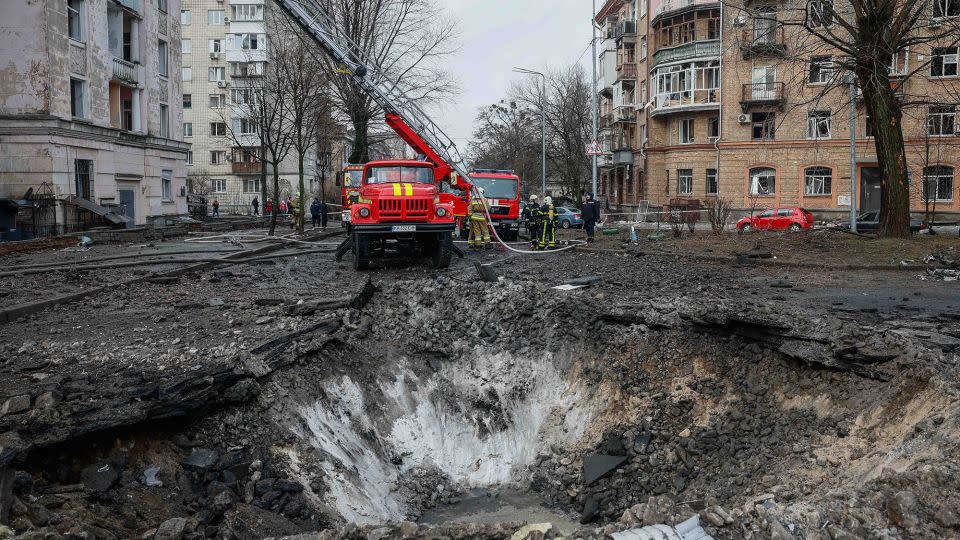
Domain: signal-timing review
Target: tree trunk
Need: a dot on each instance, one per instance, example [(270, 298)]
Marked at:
[(276, 199), (263, 177), (303, 194), (887, 115), (361, 143)]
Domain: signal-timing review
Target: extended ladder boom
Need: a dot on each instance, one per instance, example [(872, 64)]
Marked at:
[(410, 122)]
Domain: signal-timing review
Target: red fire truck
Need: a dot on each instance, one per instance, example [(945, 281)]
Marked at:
[(501, 189), (398, 206)]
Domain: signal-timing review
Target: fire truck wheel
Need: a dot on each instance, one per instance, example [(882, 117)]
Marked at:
[(443, 251), (361, 251)]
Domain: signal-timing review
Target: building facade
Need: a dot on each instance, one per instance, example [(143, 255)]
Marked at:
[(90, 110), (732, 103), (225, 49)]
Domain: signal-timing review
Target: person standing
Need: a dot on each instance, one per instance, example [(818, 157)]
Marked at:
[(268, 207), (548, 225), (479, 230), (255, 203), (282, 207), (527, 215), (591, 214), (216, 208), (323, 215), (296, 211), (315, 212)]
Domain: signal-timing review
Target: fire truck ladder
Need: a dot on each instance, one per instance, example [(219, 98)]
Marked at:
[(404, 116)]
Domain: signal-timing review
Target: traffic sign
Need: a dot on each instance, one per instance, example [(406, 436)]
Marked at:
[(593, 149)]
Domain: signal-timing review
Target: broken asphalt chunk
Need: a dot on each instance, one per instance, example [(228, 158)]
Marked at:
[(596, 466), (100, 476), (201, 459)]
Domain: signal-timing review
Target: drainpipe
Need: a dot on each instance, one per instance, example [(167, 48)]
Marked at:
[(716, 143)]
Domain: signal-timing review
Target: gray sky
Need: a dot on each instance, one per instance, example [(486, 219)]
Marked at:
[(499, 34)]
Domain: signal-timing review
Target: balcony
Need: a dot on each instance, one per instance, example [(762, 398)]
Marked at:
[(239, 167), (686, 100), (627, 71), (125, 71), (606, 120), (762, 94), (625, 115), (133, 5), (623, 156), (625, 29), (687, 51), (763, 43)]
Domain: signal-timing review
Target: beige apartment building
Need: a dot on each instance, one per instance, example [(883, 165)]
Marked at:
[(730, 103), (90, 117), (225, 48)]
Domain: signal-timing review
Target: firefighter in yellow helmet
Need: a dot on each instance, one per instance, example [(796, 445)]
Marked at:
[(548, 224), (479, 231)]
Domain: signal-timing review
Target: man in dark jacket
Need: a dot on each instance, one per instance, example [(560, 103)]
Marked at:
[(315, 212), (323, 214), (530, 218), (591, 214)]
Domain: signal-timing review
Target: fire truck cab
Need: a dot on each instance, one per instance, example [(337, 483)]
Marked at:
[(398, 207), (501, 189), (349, 184)]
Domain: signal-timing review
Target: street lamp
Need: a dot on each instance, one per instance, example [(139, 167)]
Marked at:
[(543, 127)]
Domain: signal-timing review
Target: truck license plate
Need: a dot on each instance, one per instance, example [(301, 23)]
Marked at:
[(404, 228)]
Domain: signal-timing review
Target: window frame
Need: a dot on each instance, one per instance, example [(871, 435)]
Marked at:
[(215, 182), (78, 10), (767, 126), (823, 67), (187, 103), (166, 185), (217, 101), (944, 117), (817, 119), (211, 20), (218, 153), (80, 103), (754, 173), (818, 15), (945, 5), (189, 157), (186, 17), (215, 45), (814, 174), (163, 58), (186, 73), (942, 64), (939, 172), (83, 181), (711, 173), (217, 132), (187, 129), (713, 125), (690, 126), (255, 182), (164, 121), (212, 71), (684, 181)]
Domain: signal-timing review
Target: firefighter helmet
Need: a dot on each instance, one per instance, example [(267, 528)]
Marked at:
[(533, 198), (547, 200)]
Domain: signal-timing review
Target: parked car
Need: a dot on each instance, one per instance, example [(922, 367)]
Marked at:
[(569, 217), (785, 218), (870, 222)]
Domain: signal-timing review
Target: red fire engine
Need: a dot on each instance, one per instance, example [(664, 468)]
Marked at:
[(501, 188)]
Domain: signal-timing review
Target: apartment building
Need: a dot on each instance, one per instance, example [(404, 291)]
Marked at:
[(743, 107), (225, 48), (90, 111)]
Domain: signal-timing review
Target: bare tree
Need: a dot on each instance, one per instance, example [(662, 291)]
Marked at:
[(199, 183), (507, 136), (567, 108), (869, 39), (409, 40)]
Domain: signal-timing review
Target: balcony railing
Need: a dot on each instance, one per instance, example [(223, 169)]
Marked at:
[(606, 120), (245, 167), (625, 115), (624, 29), (124, 71), (626, 71), (763, 42), (687, 51), (687, 99), (762, 93)]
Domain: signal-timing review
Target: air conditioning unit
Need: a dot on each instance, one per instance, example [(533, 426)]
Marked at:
[(226, 20), (214, 56), (743, 119), (222, 84), (740, 20)]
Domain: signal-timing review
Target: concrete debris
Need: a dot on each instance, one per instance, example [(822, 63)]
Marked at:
[(487, 273), (596, 466), (688, 530), (151, 476), (171, 529), (201, 459), (100, 476), (15, 405), (526, 532)]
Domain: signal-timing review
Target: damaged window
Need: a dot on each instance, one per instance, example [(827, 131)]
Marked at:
[(763, 181)]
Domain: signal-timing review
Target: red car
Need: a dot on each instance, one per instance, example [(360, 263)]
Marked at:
[(786, 218)]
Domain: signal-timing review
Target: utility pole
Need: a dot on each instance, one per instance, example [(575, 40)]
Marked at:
[(853, 152), (596, 104), (543, 127)]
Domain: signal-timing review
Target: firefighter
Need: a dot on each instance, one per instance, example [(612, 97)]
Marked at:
[(548, 224), (527, 215), (479, 230), (536, 221), (297, 211)]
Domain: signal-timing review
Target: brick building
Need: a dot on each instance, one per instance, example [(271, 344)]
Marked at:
[(727, 102), (90, 110)]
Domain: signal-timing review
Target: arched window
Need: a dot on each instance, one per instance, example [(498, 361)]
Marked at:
[(763, 181), (938, 183), (817, 181)]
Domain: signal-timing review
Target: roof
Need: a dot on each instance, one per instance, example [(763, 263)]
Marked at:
[(609, 7)]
